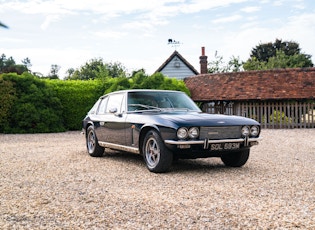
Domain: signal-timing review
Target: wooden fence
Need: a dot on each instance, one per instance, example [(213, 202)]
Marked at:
[(272, 115)]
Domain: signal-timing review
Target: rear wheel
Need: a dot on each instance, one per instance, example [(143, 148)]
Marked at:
[(157, 157), (93, 148), (236, 159)]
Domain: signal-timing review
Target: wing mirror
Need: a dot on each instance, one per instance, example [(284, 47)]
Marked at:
[(113, 110)]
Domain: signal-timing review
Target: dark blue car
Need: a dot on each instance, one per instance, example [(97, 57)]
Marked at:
[(165, 125)]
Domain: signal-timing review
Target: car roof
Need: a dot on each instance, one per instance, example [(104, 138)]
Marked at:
[(141, 90)]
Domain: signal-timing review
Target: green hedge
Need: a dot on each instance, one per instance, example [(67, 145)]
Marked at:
[(77, 97), (33, 105)]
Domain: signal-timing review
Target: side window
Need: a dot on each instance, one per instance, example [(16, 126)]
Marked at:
[(94, 108), (115, 101), (101, 108)]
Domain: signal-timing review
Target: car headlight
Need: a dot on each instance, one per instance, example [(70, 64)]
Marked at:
[(182, 133), (245, 131), (254, 131), (193, 132)]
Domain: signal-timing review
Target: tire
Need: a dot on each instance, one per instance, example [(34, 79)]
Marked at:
[(93, 148), (236, 159), (156, 156)]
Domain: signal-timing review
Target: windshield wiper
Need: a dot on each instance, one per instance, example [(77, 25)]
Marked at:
[(148, 107), (178, 110)]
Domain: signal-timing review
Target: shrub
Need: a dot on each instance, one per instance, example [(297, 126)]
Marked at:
[(8, 96), (33, 105), (77, 97), (36, 107)]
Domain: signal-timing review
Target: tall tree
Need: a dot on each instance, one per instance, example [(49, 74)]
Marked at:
[(280, 54), (97, 69), (218, 66), (54, 72), (27, 63), (8, 65)]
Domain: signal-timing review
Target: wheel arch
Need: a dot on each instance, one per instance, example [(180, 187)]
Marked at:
[(144, 130), (90, 123)]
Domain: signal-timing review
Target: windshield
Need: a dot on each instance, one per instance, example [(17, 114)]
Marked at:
[(159, 100)]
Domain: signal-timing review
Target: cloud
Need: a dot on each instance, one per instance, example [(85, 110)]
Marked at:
[(301, 29), (232, 18), (35, 7), (250, 9), (48, 20), (157, 12), (297, 29), (110, 34), (195, 6)]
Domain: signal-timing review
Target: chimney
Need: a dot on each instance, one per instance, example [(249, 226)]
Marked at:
[(203, 62)]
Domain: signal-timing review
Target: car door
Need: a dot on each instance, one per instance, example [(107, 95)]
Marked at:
[(112, 115)]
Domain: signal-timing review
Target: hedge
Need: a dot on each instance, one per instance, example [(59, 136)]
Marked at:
[(33, 105), (77, 97)]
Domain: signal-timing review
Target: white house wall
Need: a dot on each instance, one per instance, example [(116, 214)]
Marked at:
[(177, 69)]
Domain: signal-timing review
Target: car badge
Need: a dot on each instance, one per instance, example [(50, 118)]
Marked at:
[(221, 122)]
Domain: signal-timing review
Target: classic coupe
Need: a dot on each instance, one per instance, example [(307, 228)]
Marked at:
[(164, 125)]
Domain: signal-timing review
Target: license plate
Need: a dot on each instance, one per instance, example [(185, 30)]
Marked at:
[(224, 146)]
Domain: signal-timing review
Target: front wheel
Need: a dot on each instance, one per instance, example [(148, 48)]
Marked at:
[(236, 159), (157, 157), (93, 148)]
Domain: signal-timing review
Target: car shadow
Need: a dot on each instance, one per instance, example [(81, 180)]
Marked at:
[(123, 156), (201, 165)]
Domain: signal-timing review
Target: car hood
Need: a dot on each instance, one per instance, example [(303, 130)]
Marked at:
[(205, 119)]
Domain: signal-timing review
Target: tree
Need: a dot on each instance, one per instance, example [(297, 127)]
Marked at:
[(264, 51), (235, 64), (218, 65), (8, 65), (215, 66), (54, 72), (3, 25), (70, 72), (116, 69), (277, 55), (27, 63), (97, 69)]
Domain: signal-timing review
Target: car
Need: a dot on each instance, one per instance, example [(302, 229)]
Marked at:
[(165, 125)]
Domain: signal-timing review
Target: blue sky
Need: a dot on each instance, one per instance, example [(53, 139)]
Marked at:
[(135, 33)]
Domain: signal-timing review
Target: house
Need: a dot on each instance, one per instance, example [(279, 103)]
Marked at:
[(177, 67), (280, 98)]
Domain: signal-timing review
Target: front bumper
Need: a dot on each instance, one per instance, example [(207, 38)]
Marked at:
[(246, 142)]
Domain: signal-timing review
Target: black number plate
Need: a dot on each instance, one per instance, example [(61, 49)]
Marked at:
[(224, 146)]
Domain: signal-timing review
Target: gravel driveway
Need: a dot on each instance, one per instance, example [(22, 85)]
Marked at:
[(48, 181)]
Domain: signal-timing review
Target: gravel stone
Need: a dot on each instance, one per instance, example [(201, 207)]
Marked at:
[(48, 181)]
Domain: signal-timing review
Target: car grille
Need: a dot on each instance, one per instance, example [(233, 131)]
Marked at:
[(220, 132)]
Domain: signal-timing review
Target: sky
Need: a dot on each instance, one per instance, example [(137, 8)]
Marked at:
[(135, 33)]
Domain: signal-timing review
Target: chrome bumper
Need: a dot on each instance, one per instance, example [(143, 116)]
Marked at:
[(206, 142)]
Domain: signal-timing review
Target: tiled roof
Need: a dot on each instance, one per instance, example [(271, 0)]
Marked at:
[(297, 83), (175, 53)]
